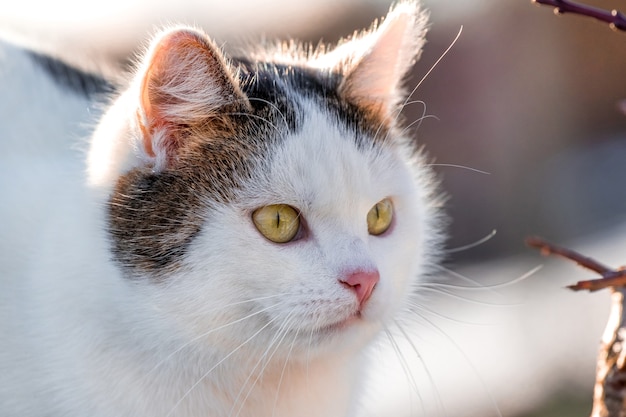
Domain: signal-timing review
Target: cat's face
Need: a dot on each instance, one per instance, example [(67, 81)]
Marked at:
[(270, 200), (300, 286)]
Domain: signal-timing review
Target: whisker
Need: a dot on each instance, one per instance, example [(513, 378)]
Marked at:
[(398, 111), (405, 368), (262, 357), (232, 352), (308, 353), (408, 103), (408, 98), (161, 362), (282, 330), (282, 373), (474, 244), (256, 117), (463, 277), (492, 286), (420, 307), (434, 288), (272, 105), (479, 171), (250, 300), (418, 121), (429, 375), (469, 362), (458, 35), (410, 125), (422, 117)]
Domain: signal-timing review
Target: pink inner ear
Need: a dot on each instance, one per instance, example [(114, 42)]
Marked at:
[(388, 54), (166, 58), (377, 76), (184, 85)]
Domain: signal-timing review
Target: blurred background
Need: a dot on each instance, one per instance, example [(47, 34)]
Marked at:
[(534, 100)]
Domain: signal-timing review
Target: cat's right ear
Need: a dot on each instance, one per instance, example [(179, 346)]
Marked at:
[(185, 83), (375, 63)]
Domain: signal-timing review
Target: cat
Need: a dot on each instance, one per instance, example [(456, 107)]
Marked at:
[(245, 229)]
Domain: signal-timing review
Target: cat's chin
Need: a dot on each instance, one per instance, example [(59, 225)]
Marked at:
[(350, 333), (342, 325)]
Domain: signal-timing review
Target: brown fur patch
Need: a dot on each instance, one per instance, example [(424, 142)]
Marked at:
[(155, 215)]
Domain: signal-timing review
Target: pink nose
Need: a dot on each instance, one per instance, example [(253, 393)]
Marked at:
[(363, 283)]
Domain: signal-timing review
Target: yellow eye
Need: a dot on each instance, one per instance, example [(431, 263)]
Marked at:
[(277, 222), (379, 218)]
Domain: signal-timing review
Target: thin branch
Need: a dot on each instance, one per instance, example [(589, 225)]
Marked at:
[(548, 248), (610, 278), (615, 18)]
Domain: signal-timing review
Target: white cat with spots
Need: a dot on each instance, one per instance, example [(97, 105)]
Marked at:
[(245, 228)]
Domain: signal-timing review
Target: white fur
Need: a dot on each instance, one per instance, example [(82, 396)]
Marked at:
[(42, 128), (238, 328), (97, 335), (84, 338)]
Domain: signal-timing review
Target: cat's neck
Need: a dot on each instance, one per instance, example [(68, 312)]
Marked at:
[(282, 388), (233, 383)]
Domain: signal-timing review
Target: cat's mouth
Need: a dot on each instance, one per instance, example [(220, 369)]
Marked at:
[(341, 325)]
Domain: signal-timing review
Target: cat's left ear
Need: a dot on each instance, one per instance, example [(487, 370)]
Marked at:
[(374, 64), (186, 83)]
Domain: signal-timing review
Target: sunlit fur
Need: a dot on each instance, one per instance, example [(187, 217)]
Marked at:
[(236, 325)]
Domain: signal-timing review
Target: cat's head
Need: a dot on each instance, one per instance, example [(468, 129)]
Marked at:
[(270, 194)]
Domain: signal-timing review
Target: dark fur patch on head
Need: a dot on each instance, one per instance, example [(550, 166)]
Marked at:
[(152, 219), (323, 87), (154, 216)]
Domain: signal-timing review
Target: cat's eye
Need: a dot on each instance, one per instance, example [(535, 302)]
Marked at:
[(277, 222), (379, 217)]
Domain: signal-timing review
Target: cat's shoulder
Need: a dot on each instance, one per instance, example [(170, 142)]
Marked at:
[(22, 64), (47, 112), (46, 103)]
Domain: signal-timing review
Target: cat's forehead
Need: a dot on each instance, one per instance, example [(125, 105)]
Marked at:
[(326, 162), (293, 91), (312, 143)]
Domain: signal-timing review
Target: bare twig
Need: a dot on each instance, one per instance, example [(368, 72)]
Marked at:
[(609, 395), (548, 248), (615, 18), (609, 280), (609, 277)]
